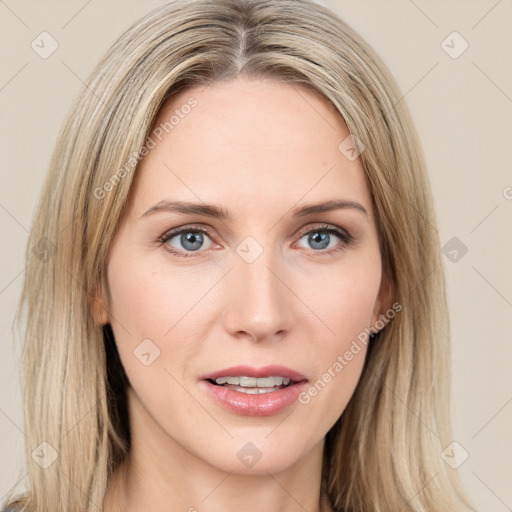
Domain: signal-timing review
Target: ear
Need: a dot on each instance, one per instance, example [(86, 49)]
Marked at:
[(99, 306), (382, 304)]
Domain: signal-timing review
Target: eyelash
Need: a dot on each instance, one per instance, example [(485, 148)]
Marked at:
[(346, 239)]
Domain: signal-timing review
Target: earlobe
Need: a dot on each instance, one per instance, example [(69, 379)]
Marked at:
[(99, 308), (382, 304)]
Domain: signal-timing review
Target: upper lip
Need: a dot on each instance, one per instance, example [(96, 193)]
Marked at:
[(272, 370)]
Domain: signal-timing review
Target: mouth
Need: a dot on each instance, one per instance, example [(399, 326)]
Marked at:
[(253, 385), (253, 391)]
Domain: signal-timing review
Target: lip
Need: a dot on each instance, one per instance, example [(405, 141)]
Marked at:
[(264, 404)]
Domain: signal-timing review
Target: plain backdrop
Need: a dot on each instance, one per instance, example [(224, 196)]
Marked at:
[(461, 102)]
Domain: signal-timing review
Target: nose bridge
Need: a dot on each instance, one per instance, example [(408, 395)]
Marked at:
[(259, 302)]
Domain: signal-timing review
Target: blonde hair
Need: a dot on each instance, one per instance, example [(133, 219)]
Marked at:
[(384, 452)]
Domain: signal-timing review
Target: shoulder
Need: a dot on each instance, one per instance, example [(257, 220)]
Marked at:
[(15, 504)]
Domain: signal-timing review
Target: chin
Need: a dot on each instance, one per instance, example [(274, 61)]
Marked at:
[(258, 457)]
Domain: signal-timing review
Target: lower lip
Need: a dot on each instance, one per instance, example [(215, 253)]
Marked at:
[(264, 404)]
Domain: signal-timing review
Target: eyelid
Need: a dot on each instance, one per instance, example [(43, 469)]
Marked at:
[(324, 227), (187, 227), (171, 233)]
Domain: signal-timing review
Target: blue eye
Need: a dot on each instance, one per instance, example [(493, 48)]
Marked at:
[(191, 239)]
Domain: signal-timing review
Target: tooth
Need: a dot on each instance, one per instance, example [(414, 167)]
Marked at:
[(286, 381), (248, 382), (268, 390), (268, 382), (233, 380), (221, 380), (252, 391)]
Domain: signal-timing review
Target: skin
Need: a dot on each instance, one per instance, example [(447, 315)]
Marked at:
[(257, 148)]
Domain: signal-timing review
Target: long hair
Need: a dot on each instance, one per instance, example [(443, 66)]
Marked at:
[(384, 452)]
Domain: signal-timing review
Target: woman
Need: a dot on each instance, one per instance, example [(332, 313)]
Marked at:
[(236, 202)]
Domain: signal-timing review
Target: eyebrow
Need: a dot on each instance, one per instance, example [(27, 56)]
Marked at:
[(217, 212)]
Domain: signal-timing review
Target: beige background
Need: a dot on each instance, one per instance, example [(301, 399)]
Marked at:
[(463, 111)]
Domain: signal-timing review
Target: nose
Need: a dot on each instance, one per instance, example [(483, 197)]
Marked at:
[(259, 304)]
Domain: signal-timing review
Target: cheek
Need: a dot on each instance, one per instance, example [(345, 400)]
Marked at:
[(348, 308), (149, 300), (148, 307), (344, 301), (345, 311)]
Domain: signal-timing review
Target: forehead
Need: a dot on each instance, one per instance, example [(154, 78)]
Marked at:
[(265, 140)]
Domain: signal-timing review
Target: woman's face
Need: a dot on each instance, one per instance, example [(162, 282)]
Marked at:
[(263, 285)]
